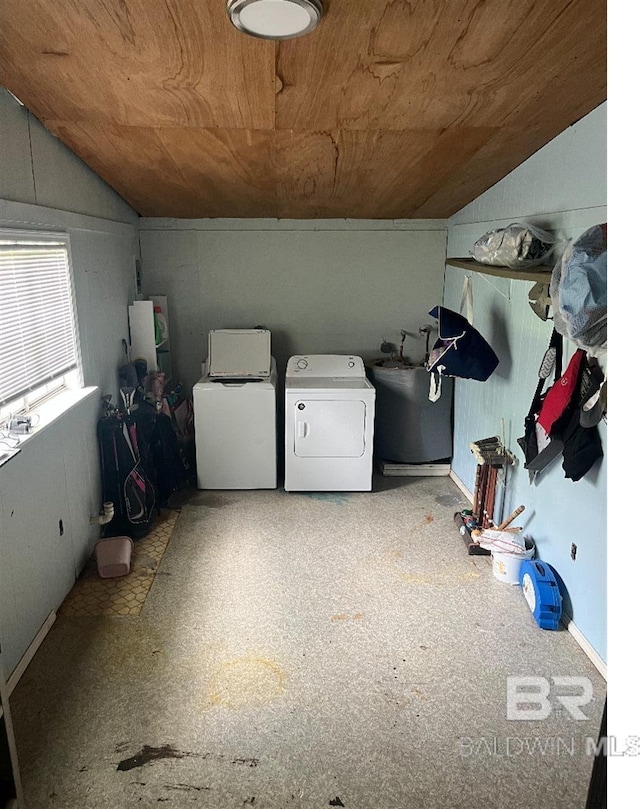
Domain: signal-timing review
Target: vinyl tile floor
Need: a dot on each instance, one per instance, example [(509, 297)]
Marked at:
[(123, 595), (307, 650)]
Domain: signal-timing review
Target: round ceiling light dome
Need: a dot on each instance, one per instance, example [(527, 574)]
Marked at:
[(275, 19)]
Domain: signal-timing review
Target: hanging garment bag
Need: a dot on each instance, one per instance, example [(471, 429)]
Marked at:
[(460, 349)]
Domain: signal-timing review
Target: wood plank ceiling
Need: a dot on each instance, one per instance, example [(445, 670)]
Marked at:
[(389, 109)]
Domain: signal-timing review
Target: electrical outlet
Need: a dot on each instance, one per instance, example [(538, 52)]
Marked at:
[(574, 551)]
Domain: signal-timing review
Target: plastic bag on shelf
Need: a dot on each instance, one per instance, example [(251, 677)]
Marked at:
[(518, 246)]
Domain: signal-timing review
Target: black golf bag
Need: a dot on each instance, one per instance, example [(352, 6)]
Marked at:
[(141, 467)]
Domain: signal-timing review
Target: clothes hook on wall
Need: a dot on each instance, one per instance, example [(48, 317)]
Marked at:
[(427, 331), (466, 301)]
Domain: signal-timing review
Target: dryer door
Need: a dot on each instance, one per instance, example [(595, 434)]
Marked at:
[(329, 428)]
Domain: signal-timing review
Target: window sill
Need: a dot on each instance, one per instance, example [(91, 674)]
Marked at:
[(48, 413)]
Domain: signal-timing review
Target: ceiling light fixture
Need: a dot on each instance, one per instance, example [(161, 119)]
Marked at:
[(275, 19)]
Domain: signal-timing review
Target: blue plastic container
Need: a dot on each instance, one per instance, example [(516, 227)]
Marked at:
[(541, 592)]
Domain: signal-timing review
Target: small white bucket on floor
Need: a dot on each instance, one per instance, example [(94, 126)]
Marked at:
[(506, 566)]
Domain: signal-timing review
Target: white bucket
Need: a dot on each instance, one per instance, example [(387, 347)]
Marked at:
[(506, 566)]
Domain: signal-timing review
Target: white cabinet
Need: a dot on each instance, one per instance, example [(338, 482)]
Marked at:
[(146, 342), (37, 566)]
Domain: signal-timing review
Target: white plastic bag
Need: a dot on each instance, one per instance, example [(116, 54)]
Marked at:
[(517, 246)]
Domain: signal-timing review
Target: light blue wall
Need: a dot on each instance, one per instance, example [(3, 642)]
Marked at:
[(321, 286), (38, 169), (44, 186), (563, 187)]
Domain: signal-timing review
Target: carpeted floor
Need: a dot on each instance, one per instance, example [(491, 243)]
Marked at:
[(307, 651)]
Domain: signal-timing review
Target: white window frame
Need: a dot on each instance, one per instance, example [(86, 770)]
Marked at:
[(28, 403)]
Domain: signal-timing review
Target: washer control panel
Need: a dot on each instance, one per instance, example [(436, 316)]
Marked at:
[(325, 365)]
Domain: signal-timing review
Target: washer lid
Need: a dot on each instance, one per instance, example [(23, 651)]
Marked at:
[(239, 353)]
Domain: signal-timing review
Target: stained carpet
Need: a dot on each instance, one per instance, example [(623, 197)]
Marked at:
[(307, 651)]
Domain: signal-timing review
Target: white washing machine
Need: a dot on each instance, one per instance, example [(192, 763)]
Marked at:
[(235, 415), (329, 414)]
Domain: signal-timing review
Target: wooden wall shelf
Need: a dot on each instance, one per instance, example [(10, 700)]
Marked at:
[(541, 273)]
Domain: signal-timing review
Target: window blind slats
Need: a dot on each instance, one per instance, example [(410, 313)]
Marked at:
[(37, 323)]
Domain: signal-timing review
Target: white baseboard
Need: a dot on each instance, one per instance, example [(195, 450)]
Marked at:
[(586, 647), (27, 657), (461, 486), (573, 630)]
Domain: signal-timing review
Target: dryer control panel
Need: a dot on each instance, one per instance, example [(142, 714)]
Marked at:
[(325, 365)]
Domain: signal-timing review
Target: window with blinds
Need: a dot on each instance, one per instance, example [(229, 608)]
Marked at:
[(38, 334)]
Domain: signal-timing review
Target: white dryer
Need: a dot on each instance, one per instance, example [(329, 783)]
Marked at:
[(329, 415)]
